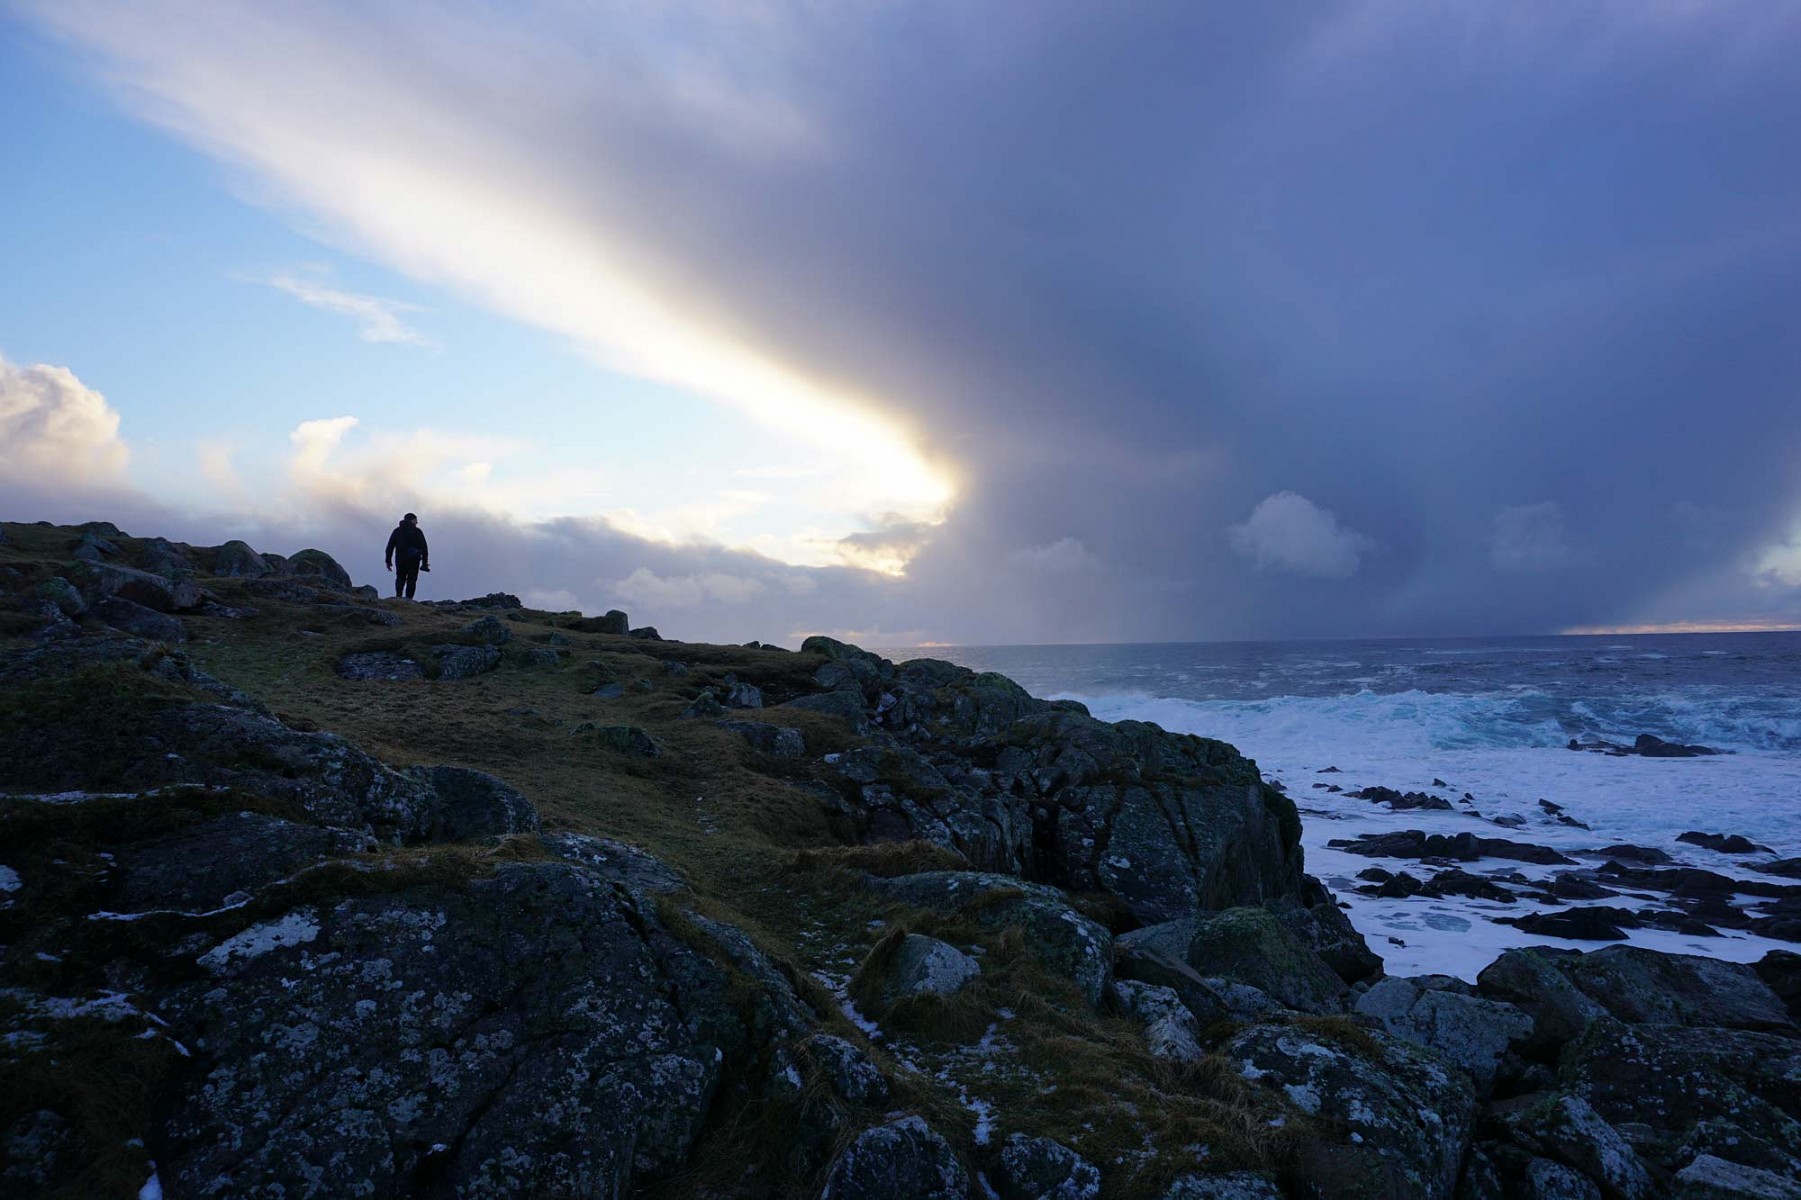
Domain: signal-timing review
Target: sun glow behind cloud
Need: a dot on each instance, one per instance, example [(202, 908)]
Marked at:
[(403, 166)]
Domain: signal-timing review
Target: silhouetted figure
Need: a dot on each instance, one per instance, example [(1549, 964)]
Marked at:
[(408, 555)]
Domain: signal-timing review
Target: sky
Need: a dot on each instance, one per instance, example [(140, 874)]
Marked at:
[(920, 321)]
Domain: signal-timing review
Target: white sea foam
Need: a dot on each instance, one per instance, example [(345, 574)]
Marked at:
[(1507, 751)]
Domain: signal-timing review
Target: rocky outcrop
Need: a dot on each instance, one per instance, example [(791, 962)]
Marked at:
[(321, 569), (1037, 1168), (911, 966), (902, 1160)]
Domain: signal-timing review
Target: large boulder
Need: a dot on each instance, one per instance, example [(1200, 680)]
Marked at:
[(1642, 986), (99, 581), (486, 631), (321, 569), (129, 617), (1169, 1026), (1567, 1129), (236, 558), (464, 805), (912, 967), (1532, 981), (1250, 946), (465, 662), (538, 1033), (1405, 1116), (1469, 1031), (902, 1160)]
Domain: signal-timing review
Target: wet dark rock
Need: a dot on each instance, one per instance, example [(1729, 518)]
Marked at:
[(1596, 923), (902, 1160), (1399, 886), (776, 740), (1462, 883), (1725, 843), (1037, 1168), (1533, 980), (379, 665), (1571, 886), (465, 662), (1625, 852), (1692, 882), (129, 617), (1403, 800), (1655, 747), (537, 1033), (647, 633), (1314, 916), (201, 867), (1461, 847), (1405, 1115)]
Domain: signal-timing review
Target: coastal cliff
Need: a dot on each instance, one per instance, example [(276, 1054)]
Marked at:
[(305, 892)]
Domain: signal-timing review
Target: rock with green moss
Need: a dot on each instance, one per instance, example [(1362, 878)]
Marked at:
[(628, 739), (902, 1160), (1401, 1116), (538, 1033), (1566, 1128), (1532, 981), (910, 967), (1250, 946), (1065, 942), (62, 593), (1646, 987)]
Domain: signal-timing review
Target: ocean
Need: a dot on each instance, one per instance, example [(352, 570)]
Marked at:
[(1489, 718)]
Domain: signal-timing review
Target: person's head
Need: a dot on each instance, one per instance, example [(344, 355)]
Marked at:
[(410, 519)]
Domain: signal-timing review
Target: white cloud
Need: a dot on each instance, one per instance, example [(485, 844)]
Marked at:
[(378, 319), (1530, 537), (1288, 532), (1779, 564), (646, 588), (551, 599), (1065, 556), (56, 429)]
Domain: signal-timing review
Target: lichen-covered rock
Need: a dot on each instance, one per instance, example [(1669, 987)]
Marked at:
[(486, 631), (1066, 942), (321, 569), (129, 617), (465, 662), (1038, 1168), (777, 741), (1711, 1178), (204, 866), (536, 1034), (1469, 1031), (1406, 1116), (1169, 1027), (387, 665), (1569, 1130), (912, 967), (1547, 1180), (902, 1160), (743, 695), (851, 1073), (613, 622), (617, 861), (1239, 1185), (462, 805), (1666, 1083), (1314, 916)]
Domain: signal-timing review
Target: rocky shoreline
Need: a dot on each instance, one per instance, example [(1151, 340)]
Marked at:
[(584, 912)]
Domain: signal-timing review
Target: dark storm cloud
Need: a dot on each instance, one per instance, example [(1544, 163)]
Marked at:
[(1510, 293)]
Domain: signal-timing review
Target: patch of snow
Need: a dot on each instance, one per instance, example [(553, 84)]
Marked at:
[(153, 1187)]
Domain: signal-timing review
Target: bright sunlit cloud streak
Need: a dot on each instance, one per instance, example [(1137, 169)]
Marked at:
[(401, 167)]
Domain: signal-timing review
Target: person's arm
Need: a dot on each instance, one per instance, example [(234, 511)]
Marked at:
[(389, 558), (424, 551)]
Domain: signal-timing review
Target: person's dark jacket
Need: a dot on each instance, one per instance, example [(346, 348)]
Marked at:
[(409, 542)]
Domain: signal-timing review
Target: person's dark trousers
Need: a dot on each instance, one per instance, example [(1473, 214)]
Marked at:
[(406, 576)]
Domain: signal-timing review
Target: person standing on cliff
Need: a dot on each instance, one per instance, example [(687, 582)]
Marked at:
[(407, 555)]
